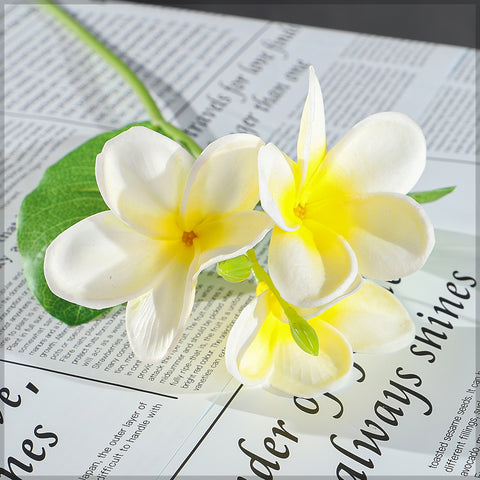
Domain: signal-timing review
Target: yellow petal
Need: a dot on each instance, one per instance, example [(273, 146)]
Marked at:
[(385, 152), (390, 234), (277, 187), (312, 266), (372, 320), (223, 180), (312, 143)]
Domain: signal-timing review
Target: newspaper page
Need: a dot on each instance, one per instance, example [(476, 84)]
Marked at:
[(75, 400)]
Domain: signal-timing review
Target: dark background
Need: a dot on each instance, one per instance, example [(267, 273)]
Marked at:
[(443, 22)]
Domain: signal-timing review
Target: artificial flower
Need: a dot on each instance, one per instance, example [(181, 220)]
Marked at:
[(344, 213), (261, 352), (170, 217)]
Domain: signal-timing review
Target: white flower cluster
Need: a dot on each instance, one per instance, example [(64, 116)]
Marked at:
[(337, 217)]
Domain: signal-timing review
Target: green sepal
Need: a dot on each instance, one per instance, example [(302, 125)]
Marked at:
[(235, 270), (67, 193), (431, 195)]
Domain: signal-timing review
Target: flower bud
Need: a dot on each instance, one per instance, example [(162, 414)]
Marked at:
[(236, 269)]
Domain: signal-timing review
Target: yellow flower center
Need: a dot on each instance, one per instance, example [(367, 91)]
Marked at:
[(188, 237), (299, 211)]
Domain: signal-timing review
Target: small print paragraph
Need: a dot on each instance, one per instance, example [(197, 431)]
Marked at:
[(458, 449), (121, 442)]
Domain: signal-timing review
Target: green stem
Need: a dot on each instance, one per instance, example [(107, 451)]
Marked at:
[(303, 333), (127, 74)]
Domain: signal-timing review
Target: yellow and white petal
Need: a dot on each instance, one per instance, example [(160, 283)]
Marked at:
[(309, 313), (156, 320), (241, 336), (141, 175), (261, 351), (295, 372), (312, 142), (385, 152), (223, 180), (230, 236), (312, 266), (391, 235), (277, 187), (100, 262), (372, 320)]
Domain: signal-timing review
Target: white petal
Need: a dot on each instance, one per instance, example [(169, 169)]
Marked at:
[(101, 262), (223, 180), (390, 234), (231, 236), (372, 320), (277, 187), (383, 153), (156, 320), (312, 143), (311, 268), (141, 175)]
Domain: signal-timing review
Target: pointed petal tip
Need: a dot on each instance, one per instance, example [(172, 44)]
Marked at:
[(311, 144)]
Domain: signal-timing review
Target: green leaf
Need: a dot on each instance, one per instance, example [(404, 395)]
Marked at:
[(431, 195), (67, 193), (304, 334), (236, 269)]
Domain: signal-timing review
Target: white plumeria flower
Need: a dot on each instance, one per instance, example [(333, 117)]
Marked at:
[(344, 213), (261, 351), (170, 217)]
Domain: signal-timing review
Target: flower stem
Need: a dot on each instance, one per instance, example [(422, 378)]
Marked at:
[(303, 333), (156, 118)]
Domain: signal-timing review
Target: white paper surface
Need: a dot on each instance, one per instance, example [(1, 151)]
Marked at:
[(76, 402)]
